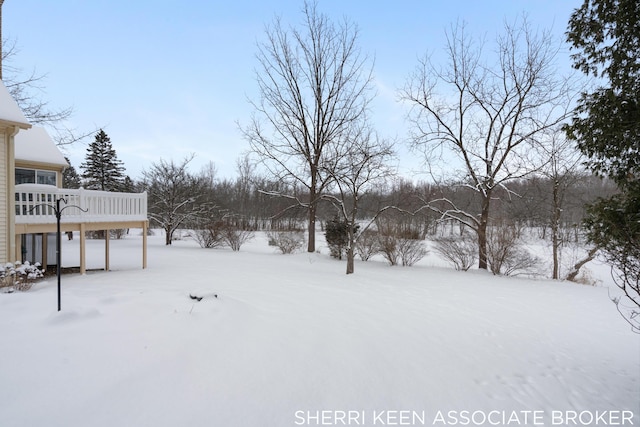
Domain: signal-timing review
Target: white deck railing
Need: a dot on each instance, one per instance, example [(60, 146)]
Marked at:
[(35, 204)]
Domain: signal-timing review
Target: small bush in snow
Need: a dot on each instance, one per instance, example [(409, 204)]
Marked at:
[(367, 244), (235, 237), (287, 241), (410, 251), (506, 255), (401, 227), (95, 234), (461, 251), (389, 248), (337, 236), (520, 261), (19, 276), (209, 235), (400, 241), (118, 233)]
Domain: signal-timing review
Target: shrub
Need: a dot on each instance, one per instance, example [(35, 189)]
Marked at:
[(368, 244), (209, 235), (235, 236), (400, 240), (217, 233), (95, 234), (337, 236), (410, 251), (287, 241), (505, 254), (19, 276), (389, 248), (462, 251), (118, 233), (402, 227)]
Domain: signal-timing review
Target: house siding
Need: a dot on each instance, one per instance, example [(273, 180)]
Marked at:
[(5, 219), (11, 121)]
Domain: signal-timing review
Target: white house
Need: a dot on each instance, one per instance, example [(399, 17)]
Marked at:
[(37, 158), (31, 168), (11, 122)]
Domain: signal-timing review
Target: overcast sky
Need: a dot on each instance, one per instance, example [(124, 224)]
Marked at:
[(166, 79)]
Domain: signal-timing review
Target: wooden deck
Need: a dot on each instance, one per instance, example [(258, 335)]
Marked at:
[(80, 210)]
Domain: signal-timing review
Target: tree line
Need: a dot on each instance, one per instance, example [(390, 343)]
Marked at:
[(179, 198)]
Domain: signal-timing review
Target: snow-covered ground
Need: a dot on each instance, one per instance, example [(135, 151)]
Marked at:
[(291, 340)]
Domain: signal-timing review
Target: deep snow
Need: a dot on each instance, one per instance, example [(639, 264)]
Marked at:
[(289, 336)]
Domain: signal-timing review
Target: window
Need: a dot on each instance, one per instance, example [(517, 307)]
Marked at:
[(25, 176), (33, 176), (46, 177)]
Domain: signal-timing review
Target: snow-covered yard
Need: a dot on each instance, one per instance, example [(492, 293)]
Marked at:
[(291, 340)]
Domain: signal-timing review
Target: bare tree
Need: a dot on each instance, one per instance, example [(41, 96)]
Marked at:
[(314, 86), (563, 171), (246, 170), (483, 114), (176, 197), (362, 168), (209, 173)]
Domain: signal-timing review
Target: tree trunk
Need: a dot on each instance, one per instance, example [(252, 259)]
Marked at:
[(313, 197), (350, 260), (482, 246), (482, 233), (555, 230), (350, 252), (311, 245), (576, 268), (167, 238), (555, 246)]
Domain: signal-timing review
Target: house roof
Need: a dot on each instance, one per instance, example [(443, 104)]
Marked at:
[(10, 113), (36, 146)]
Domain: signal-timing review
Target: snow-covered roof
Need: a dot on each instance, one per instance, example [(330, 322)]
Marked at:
[(9, 111), (36, 146)]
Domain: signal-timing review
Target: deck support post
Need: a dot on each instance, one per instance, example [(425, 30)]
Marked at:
[(83, 261), (106, 249), (145, 225)]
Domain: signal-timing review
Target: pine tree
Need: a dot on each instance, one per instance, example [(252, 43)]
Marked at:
[(101, 169), (128, 186), (337, 236), (605, 35), (70, 178)]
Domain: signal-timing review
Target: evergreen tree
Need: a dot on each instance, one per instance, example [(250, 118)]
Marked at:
[(101, 169), (337, 236), (70, 178), (605, 35), (128, 186)]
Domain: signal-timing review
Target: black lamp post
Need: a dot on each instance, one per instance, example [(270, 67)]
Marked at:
[(58, 212)]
